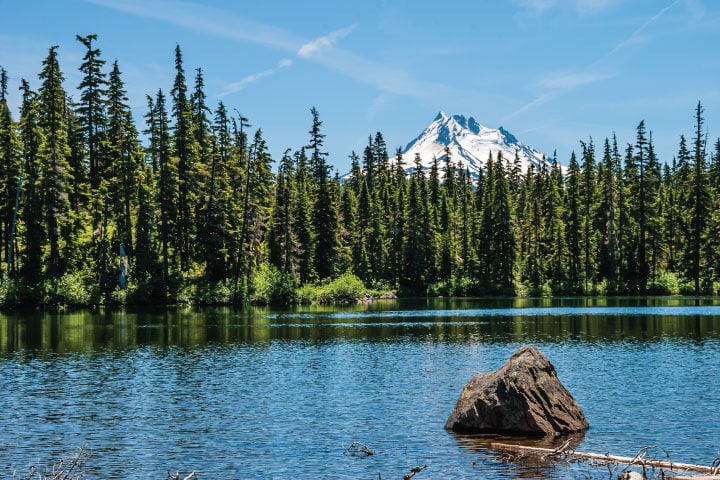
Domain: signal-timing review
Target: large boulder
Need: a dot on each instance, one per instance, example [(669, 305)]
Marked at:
[(523, 397)]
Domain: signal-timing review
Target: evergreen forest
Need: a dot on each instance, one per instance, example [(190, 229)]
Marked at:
[(187, 205)]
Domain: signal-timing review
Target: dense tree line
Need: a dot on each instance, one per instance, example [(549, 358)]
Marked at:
[(194, 211)]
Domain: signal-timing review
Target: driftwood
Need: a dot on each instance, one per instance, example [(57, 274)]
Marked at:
[(414, 471), (357, 449), (639, 459), (177, 476), (696, 477)]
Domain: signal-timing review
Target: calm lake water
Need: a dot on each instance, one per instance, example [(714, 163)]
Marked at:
[(263, 393)]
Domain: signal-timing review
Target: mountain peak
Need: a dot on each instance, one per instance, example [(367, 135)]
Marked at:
[(470, 143)]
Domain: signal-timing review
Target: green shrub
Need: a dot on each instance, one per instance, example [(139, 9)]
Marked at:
[(70, 289), (686, 288), (15, 293), (271, 286), (347, 287), (220, 293), (306, 294)]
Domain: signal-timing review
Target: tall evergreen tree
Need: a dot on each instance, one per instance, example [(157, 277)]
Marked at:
[(92, 106), (125, 162), (302, 218), (607, 264), (54, 174), (9, 172), (31, 140), (641, 160), (167, 186), (183, 150), (573, 222), (324, 212), (282, 247), (698, 201), (587, 194)]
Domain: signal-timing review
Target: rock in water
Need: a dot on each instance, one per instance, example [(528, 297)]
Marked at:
[(523, 397)]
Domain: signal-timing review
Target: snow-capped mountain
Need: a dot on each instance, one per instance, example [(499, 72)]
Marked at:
[(469, 142)]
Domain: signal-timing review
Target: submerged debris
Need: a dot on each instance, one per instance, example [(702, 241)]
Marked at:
[(357, 449)]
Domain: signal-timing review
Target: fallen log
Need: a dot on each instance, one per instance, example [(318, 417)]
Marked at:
[(636, 460), (696, 477)]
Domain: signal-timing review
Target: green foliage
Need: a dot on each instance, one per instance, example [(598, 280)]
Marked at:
[(14, 292), (345, 288), (271, 286), (666, 284), (207, 293)]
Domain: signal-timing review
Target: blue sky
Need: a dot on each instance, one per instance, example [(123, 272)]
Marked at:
[(552, 72)]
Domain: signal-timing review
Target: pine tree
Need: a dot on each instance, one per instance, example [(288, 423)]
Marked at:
[(361, 262), (698, 201), (641, 159), (54, 174), (205, 168), (258, 199), (653, 211), (9, 173), (92, 107), (324, 212), (167, 186), (587, 195), (607, 263), (628, 224), (282, 246), (503, 239), (31, 140), (554, 227), (183, 150), (467, 226), (573, 222), (302, 218), (397, 219), (414, 267)]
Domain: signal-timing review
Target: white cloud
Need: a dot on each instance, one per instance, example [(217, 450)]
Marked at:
[(544, 98), (323, 43), (582, 7), (592, 7), (225, 24), (563, 80), (250, 79), (636, 36), (208, 20), (237, 86), (538, 6)]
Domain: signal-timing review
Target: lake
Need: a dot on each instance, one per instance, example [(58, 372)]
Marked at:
[(267, 393)]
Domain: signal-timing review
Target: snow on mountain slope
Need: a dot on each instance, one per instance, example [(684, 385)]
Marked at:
[(469, 142)]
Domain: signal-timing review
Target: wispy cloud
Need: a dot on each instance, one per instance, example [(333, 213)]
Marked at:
[(208, 20), (557, 83), (542, 99), (323, 43), (635, 37), (582, 7), (565, 80), (250, 79), (537, 6), (592, 7), (321, 50)]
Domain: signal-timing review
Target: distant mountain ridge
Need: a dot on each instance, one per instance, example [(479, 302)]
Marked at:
[(468, 142)]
